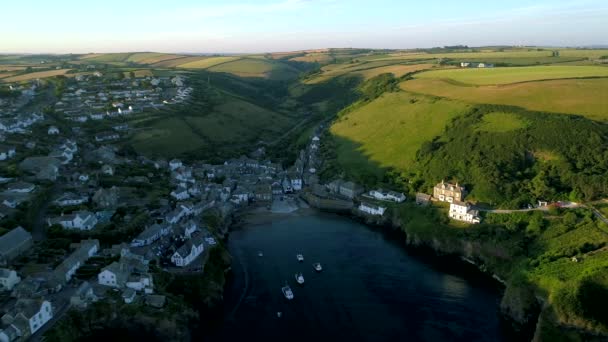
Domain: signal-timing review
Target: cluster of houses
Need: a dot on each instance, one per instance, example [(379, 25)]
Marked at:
[(94, 98), (454, 194)]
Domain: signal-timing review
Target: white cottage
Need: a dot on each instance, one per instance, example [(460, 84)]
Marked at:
[(188, 252), (461, 211)]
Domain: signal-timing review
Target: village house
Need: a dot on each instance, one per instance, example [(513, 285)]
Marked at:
[(188, 252), (461, 211), (175, 164), (350, 190), (53, 130), (107, 169), (8, 279), (66, 270), (128, 296), (150, 235), (13, 243), (21, 187), (448, 192), (83, 296), (114, 275), (70, 199), (181, 193), (106, 136), (6, 152), (141, 282), (384, 195), (263, 193), (28, 316), (83, 220), (372, 209)]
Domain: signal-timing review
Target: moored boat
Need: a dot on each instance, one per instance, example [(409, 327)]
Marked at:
[(300, 257), (287, 292), (300, 278), (317, 266)]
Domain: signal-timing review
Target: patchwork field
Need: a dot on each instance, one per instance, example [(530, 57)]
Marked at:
[(250, 67), (35, 75), (206, 62), (366, 69), (151, 57), (390, 130), (575, 96), (107, 57), (496, 76)]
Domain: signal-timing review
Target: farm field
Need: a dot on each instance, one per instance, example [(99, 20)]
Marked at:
[(366, 69), (250, 67), (107, 57), (497, 76), (35, 75), (207, 62), (390, 130), (574, 96), (172, 63), (151, 57)]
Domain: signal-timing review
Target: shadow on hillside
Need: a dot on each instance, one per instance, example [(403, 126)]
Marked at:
[(344, 158)]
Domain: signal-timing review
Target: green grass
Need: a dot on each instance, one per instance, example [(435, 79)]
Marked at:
[(253, 67), (167, 137), (390, 130), (572, 96), (491, 76), (500, 122), (107, 57), (207, 62)]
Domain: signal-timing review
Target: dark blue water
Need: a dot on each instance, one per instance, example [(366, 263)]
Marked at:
[(370, 289)]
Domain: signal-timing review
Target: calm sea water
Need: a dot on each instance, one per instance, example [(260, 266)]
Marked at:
[(370, 289)]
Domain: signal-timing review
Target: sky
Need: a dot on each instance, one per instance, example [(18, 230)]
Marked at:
[(246, 26)]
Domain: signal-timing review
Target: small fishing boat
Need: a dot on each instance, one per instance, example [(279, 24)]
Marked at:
[(287, 292), (260, 254), (279, 314), (317, 267), (300, 257), (300, 278)]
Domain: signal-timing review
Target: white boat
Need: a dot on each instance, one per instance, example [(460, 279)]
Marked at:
[(260, 254), (287, 292), (300, 278), (300, 257), (317, 267)]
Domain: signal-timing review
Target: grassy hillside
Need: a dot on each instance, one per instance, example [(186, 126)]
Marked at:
[(390, 130), (532, 156), (35, 75), (494, 76), (249, 67), (580, 96), (206, 62)]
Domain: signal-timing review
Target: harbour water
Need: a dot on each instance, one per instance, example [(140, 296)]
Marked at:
[(371, 287)]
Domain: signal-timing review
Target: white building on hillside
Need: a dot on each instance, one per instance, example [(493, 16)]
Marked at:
[(188, 252), (384, 195), (372, 209), (8, 279), (461, 211)]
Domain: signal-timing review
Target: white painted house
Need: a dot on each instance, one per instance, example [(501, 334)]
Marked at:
[(175, 164), (114, 275), (384, 195), (83, 220), (461, 211), (6, 152), (53, 130), (180, 193), (8, 279), (188, 252), (372, 209), (69, 199)]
